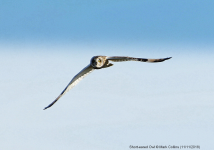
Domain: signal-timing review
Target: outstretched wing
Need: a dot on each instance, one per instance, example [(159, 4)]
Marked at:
[(88, 69), (125, 58)]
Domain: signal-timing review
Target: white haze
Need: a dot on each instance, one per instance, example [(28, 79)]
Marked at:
[(131, 103)]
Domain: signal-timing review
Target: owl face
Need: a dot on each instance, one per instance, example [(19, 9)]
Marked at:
[(98, 62)]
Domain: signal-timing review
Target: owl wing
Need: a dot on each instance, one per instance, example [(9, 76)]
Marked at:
[(125, 58), (88, 69)]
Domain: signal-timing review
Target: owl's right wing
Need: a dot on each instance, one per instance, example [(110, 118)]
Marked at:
[(125, 58), (88, 69)]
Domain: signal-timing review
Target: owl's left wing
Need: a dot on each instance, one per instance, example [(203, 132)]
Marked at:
[(125, 58), (88, 69)]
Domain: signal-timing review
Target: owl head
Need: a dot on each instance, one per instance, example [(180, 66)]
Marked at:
[(98, 62)]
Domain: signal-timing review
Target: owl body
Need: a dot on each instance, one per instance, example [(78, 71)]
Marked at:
[(99, 62)]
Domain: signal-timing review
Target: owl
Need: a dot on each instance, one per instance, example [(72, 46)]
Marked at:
[(100, 62)]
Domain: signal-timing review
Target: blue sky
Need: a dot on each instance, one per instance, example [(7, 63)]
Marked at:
[(43, 44), (107, 21)]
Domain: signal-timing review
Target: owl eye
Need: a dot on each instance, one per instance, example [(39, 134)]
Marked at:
[(99, 60)]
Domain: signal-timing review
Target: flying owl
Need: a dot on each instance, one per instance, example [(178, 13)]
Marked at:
[(99, 62)]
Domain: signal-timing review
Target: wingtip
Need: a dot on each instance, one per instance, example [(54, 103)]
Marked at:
[(51, 104), (167, 58), (45, 108), (48, 106)]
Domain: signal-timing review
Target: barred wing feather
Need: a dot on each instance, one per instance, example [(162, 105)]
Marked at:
[(76, 79), (124, 58)]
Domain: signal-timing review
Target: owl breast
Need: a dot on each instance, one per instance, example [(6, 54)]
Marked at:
[(98, 62)]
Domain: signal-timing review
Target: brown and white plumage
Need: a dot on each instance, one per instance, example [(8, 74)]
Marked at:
[(119, 58), (99, 62)]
